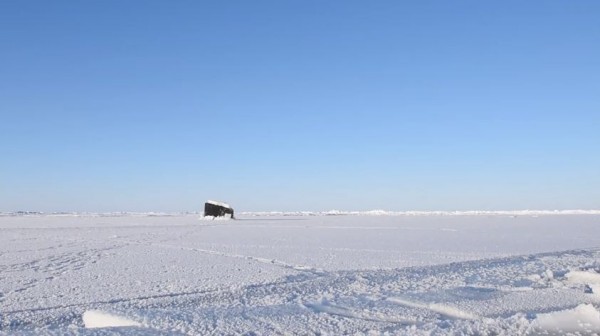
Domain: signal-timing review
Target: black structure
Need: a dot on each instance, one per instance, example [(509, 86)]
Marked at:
[(217, 209)]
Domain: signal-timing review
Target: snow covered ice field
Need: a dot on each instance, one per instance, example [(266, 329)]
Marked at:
[(480, 274)]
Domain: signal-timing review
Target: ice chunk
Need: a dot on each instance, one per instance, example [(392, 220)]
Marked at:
[(99, 319)]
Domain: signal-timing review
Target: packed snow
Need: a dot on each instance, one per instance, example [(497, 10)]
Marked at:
[(329, 273)]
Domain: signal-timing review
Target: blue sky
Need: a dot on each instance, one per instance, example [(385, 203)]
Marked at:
[(299, 105)]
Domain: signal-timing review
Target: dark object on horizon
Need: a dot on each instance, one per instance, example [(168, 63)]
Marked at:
[(217, 209)]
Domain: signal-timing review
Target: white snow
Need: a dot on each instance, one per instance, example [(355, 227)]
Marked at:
[(306, 274), (584, 318), (217, 218), (99, 319), (441, 309), (583, 277)]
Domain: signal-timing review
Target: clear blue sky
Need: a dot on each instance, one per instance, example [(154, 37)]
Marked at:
[(299, 105)]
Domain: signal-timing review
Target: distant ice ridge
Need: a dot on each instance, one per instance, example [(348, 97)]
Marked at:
[(311, 213), (94, 214), (424, 213)]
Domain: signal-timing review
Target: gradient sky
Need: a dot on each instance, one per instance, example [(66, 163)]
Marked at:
[(299, 105)]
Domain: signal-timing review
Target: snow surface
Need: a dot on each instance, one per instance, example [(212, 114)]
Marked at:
[(326, 273)]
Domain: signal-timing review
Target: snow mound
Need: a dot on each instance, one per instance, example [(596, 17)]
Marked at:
[(583, 277), (584, 318), (99, 319), (590, 279)]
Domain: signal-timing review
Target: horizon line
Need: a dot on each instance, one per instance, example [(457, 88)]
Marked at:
[(527, 212)]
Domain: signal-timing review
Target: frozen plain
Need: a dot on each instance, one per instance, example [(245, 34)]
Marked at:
[(274, 273)]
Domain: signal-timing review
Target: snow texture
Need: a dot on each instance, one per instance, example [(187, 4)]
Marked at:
[(173, 274)]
